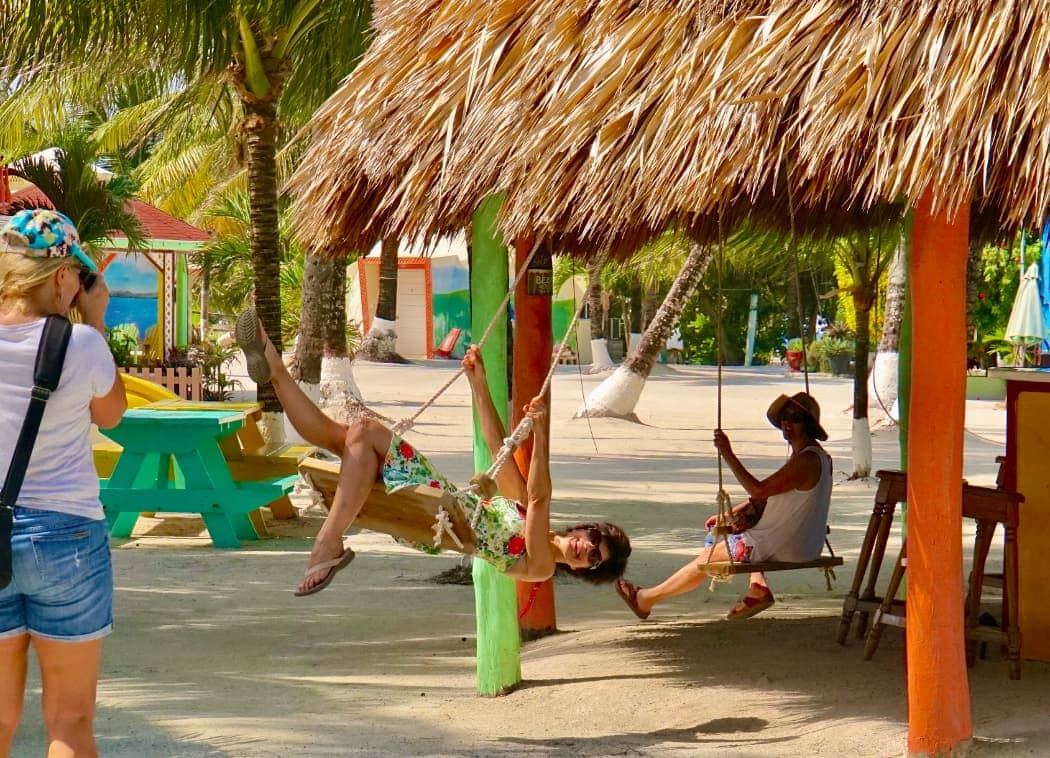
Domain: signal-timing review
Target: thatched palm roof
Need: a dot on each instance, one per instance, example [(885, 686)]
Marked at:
[(603, 121)]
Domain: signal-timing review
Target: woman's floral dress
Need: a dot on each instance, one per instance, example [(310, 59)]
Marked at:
[(500, 529)]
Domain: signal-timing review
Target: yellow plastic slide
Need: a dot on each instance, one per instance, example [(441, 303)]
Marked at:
[(141, 391)]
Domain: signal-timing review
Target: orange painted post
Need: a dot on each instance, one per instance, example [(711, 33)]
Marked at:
[(533, 344), (938, 691)]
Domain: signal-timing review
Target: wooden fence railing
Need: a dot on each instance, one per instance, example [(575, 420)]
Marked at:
[(184, 382)]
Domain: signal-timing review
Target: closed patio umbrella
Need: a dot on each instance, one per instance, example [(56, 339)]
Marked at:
[(1026, 326)]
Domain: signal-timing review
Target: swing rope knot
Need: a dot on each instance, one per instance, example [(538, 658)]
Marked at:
[(443, 526)]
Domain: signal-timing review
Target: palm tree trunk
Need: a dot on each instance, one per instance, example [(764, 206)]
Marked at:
[(594, 300), (863, 302), (380, 344), (618, 395), (884, 374), (600, 360), (318, 303), (259, 126)]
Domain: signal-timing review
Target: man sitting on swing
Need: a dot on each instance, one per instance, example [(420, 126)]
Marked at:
[(515, 539), (785, 518)]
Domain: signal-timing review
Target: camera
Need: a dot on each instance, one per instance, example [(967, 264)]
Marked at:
[(87, 279)]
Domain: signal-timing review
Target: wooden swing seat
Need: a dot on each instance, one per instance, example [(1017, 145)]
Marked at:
[(410, 513), (725, 568)]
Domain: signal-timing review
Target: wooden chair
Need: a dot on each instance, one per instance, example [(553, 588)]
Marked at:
[(987, 507)]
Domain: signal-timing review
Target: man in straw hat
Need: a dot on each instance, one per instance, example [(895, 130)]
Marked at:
[(785, 518)]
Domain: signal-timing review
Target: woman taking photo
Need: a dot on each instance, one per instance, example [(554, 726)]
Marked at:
[(60, 597)]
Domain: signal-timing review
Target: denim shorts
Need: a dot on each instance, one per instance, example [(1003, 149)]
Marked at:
[(62, 588)]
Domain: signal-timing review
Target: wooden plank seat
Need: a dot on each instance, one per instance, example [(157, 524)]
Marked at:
[(410, 514), (725, 568)]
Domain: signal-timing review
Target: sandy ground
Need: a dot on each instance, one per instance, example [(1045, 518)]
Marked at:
[(213, 656)]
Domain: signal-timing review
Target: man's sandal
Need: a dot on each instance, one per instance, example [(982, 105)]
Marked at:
[(629, 593), (749, 605)]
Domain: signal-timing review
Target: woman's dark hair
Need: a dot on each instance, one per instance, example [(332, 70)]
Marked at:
[(812, 428), (611, 568)]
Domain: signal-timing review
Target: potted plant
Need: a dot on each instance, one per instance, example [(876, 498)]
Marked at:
[(839, 352), (793, 353)]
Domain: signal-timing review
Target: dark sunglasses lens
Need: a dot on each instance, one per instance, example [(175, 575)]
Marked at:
[(793, 416), (594, 557)]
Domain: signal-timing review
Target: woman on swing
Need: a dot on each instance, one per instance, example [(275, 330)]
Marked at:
[(515, 539), (785, 518)]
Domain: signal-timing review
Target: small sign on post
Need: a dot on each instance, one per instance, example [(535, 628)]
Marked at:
[(540, 282)]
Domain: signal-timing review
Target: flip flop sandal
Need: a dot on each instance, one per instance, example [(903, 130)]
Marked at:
[(333, 566), (252, 343), (752, 606), (629, 593)]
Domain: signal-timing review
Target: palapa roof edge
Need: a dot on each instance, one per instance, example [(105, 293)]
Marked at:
[(605, 122)]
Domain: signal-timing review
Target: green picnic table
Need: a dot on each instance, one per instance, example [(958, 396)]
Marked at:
[(172, 461)]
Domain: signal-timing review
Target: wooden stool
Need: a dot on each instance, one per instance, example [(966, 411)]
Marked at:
[(892, 490), (987, 507)]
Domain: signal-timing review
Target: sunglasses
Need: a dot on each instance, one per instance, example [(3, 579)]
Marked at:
[(594, 555), (795, 417), (87, 279)]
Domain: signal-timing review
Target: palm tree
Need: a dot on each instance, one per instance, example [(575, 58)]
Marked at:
[(617, 396), (77, 185), (865, 255), (275, 58)]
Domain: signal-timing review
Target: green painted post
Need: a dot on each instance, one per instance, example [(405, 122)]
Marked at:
[(182, 302), (498, 647)]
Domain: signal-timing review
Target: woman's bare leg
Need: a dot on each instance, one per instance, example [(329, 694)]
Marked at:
[(13, 657), (365, 446), (69, 675), (311, 423), (685, 579)]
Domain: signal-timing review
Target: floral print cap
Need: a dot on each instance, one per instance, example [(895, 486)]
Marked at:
[(42, 233)]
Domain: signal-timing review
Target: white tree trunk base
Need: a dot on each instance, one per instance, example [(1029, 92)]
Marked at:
[(883, 384), (600, 354), (272, 429), (615, 397), (861, 449), (380, 344)]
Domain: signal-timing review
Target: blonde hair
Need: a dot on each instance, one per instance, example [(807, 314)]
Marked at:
[(21, 274)]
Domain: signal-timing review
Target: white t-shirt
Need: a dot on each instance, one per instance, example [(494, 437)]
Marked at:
[(61, 474), (794, 523)]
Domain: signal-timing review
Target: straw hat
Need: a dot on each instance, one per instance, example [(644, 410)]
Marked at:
[(801, 401)]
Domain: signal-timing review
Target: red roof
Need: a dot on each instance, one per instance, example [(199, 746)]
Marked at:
[(157, 224)]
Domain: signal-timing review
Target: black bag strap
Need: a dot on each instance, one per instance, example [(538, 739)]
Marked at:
[(50, 356)]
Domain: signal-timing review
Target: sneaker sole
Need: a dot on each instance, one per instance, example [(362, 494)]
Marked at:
[(251, 342)]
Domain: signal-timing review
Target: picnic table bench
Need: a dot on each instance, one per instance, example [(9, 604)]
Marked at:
[(172, 461)]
